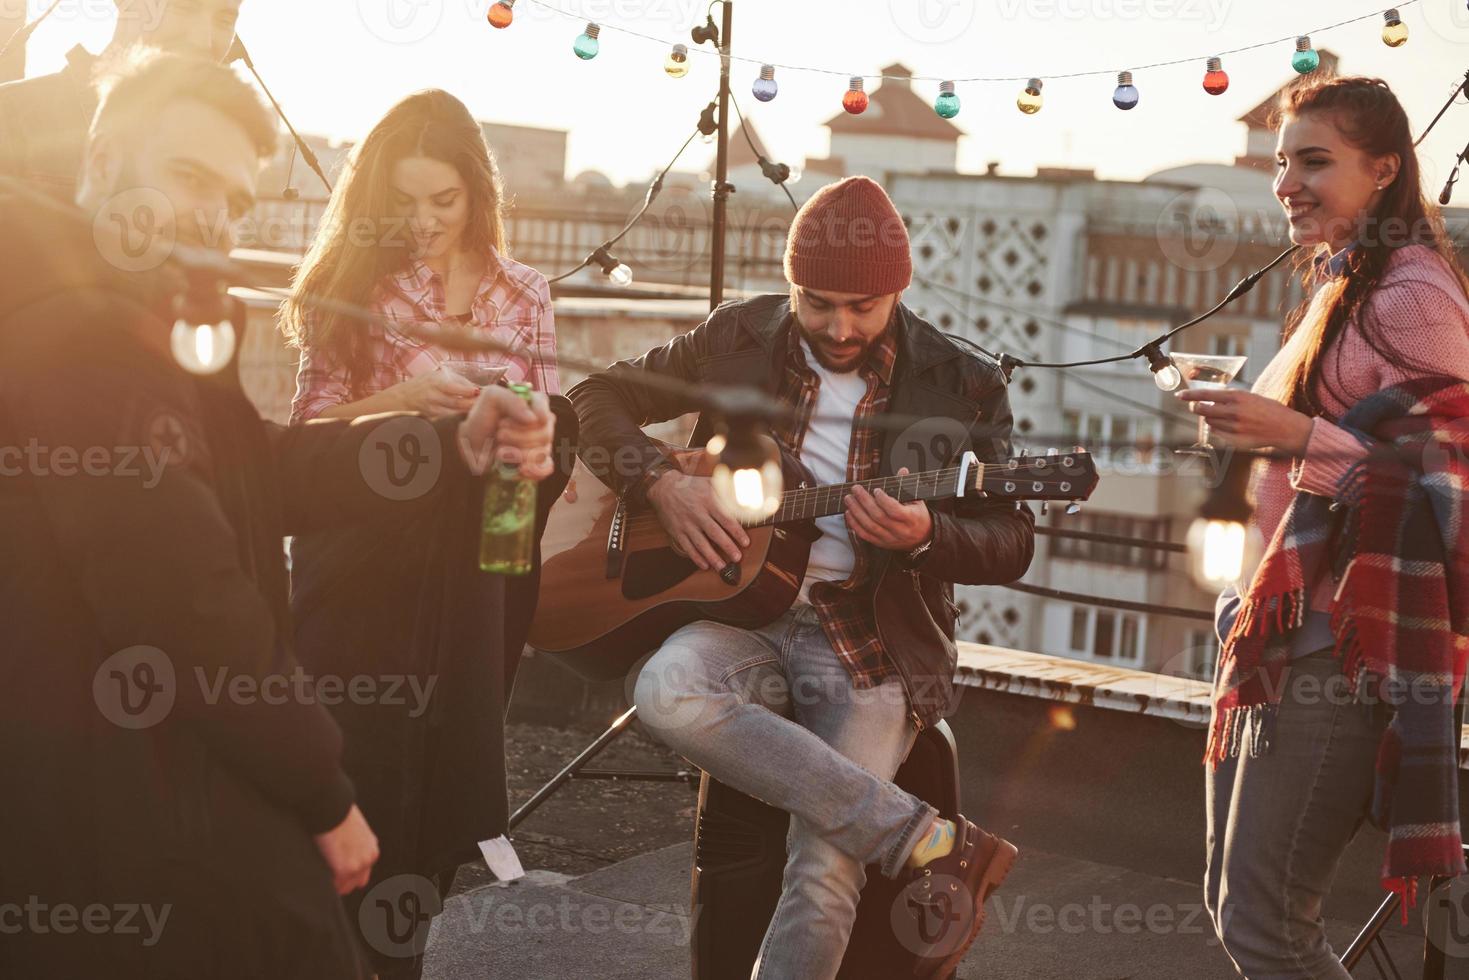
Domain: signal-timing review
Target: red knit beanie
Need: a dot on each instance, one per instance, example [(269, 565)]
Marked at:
[(849, 238)]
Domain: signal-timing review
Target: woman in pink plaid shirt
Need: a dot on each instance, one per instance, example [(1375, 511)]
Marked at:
[(414, 231)]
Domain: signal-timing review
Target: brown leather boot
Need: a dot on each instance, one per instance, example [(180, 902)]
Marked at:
[(940, 911)]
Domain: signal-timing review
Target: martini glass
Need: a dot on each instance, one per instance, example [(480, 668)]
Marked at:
[(1207, 371)]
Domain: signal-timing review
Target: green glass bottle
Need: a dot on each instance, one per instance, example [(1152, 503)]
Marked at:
[(508, 526)]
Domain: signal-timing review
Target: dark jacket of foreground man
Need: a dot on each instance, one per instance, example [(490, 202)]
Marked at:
[(962, 403), (173, 781)]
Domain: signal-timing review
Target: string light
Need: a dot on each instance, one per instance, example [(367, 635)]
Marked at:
[(677, 65), (1165, 373), (586, 45), (1219, 543), (1030, 100), (947, 105), (1394, 31), (202, 348), (501, 13), (855, 101), (747, 479), (1215, 80), (1125, 97), (708, 125), (618, 272), (1305, 60), (765, 87)]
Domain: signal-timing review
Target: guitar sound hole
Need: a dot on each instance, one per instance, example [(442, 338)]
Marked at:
[(648, 573)]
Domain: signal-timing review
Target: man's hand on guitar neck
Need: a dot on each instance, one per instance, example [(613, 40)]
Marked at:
[(697, 524)]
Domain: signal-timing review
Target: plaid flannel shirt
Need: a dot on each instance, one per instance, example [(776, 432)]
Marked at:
[(845, 608), (512, 305)]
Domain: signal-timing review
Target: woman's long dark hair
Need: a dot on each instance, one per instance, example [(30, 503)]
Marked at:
[(1370, 118), (359, 242)]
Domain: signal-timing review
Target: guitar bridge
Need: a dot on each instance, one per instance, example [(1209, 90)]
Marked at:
[(616, 534)]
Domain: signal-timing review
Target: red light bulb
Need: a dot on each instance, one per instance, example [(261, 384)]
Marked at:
[(1215, 81), (501, 13), (855, 101)]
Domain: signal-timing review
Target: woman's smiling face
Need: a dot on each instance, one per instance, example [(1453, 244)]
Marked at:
[(1325, 184), (432, 196)]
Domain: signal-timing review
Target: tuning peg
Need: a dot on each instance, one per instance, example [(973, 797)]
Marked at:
[(1073, 508)]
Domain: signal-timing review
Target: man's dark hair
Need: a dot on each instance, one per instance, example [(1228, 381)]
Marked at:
[(143, 80)]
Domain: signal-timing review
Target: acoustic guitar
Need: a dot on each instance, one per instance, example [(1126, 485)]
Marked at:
[(614, 586)]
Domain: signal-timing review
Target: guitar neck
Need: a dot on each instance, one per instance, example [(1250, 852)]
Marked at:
[(807, 503)]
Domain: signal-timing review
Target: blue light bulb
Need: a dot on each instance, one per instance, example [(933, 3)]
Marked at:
[(1305, 60), (765, 87), (1126, 95)]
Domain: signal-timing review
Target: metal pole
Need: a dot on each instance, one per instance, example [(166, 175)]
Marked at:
[(721, 166), (587, 754)]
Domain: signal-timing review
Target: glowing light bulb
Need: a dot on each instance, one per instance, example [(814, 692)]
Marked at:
[(765, 87), (1126, 95), (202, 348), (1030, 100), (747, 479), (501, 13), (677, 65), (621, 275), (1168, 378), (586, 45), (855, 101), (1217, 552), (1394, 31), (1305, 60), (796, 173), (1215, 81), (947, 105)]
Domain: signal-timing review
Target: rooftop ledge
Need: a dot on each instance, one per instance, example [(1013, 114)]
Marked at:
[(1061, 679)]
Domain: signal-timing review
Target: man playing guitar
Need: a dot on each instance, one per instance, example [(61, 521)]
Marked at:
[(814, 712)]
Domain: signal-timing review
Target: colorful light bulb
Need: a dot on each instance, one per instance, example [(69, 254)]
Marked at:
[(855, 101), (947, 105), (1394, 31), (587, 45), (765, 87), (1305, 60), (1215, 81), (501, 13), (1030, 100), (1125, 97), (677, 65)]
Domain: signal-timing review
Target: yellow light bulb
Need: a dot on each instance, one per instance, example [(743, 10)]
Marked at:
[(202, 348), (1217, 552)]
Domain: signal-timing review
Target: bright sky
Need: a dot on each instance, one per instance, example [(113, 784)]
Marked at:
[(337, 65)]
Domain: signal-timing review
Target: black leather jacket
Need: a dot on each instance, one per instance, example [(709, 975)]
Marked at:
[(964, 404)]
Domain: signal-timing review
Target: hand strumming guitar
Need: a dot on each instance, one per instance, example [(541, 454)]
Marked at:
[(692, 516)]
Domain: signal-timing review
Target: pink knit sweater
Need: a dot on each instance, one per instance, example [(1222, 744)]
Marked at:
[(1423, 314)]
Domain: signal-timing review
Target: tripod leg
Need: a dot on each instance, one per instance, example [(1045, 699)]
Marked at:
[(586, 755)]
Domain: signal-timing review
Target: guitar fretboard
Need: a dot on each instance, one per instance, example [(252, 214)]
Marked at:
[(812, 502)]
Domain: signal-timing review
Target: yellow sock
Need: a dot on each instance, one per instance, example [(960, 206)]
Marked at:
[(935, 844)]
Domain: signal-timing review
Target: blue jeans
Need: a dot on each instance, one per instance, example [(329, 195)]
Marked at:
[(772, 713), (1278, 825)]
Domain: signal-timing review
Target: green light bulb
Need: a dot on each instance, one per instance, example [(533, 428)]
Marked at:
[(947, 105), (1305, 60), (587, 45)]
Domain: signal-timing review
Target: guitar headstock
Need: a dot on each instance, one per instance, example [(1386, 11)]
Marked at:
[(1061, 476)]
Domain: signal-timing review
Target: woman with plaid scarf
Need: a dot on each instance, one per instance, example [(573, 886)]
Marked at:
[(1342, 655)]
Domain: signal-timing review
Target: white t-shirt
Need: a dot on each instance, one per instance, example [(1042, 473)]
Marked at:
[(824, 451)]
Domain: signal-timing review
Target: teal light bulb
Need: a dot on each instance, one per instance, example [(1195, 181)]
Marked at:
[(587, 45), (1305, 60), (947, 105)]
